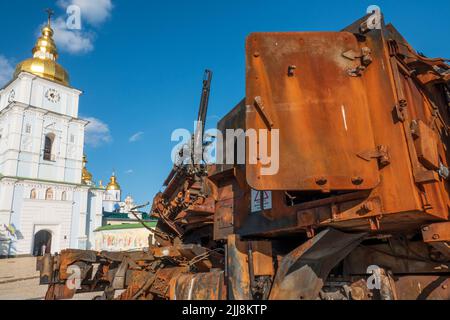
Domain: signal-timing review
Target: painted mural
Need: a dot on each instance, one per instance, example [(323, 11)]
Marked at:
[(121, 239)]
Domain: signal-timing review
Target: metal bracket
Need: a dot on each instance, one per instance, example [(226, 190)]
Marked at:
[(444, 172), (365, 58), (374, 223), (438, 236), (400, 109), (262, 111), (381, 153)]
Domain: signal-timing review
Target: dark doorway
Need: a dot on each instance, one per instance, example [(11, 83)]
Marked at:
[(42, 243)]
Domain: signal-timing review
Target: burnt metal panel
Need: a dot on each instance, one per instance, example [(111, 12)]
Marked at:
[(303, 82), (437, 232), (238, 275), (262, 258), (423, 287), (396, 256), (302, 273), (235, 119), (200, 286)]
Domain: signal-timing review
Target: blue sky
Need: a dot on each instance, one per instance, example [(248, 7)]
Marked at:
[(140, 64)]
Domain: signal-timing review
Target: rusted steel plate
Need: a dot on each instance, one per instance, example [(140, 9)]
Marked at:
[(200, 286), (160, 252), (262, 258), (190, 252), (438, 235), (237, 269), (139, 284), (437, 232), (135, 256), (302, 273), (321, 111), (421, 287), (163, 277), (225, 205), (69, 257), (396, 256), (45, 266), (427, 146), (59, 292)]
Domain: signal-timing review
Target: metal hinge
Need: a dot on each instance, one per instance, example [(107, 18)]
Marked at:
[(381, 153)]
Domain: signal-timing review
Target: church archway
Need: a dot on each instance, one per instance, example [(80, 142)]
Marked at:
[(42, 243), (49, 194)]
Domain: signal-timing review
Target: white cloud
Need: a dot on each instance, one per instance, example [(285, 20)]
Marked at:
[(6, 70), (131, 171), (72, 41), (136, 137), (97, 133), (94, 12)]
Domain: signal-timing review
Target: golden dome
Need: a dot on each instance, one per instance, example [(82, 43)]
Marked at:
[(113, 185), (86, 176), (43, 64)]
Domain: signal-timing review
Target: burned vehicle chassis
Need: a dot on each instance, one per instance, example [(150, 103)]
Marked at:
[(359, 209)]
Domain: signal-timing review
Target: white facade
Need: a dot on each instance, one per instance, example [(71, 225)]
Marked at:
[(41, 159)]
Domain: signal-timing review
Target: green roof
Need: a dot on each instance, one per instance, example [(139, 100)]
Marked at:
[(123, 216), (126, 226)]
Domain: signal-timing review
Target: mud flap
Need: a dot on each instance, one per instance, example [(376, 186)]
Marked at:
[(302, 273)]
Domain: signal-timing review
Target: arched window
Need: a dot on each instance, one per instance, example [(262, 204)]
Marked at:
[(33, 194), (49, 194), (48, 147), (64, 196)]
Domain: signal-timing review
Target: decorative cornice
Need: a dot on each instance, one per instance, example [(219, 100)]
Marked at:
[(44, 112), (23, 179)]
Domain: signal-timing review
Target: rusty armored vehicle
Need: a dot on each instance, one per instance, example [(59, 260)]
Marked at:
[(357, 210)]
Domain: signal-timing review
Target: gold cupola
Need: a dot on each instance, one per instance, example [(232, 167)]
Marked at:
[(113, 185), (43, 63), (86, 176)]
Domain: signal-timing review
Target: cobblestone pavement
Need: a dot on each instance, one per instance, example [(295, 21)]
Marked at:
[(19, 280)]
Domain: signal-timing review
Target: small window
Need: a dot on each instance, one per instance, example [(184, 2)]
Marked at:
[(72, 138), (33, 194), (48, 147), (64, 196), (28, 128), (49, 194)]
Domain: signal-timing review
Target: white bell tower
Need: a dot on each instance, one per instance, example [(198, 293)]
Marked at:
[(113, 195), (43, 200)]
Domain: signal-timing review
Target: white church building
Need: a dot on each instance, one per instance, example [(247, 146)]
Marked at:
[(48, 201)]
